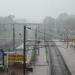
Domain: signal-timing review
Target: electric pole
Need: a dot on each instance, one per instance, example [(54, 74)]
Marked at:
[(44, 32), (38, 40), (13, 37), (67, 37), (35, 47)]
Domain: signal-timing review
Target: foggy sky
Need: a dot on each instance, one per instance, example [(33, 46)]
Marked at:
[(36, 10)]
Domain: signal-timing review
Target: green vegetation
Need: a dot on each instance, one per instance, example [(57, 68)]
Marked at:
[(46, 54), (33, 58)]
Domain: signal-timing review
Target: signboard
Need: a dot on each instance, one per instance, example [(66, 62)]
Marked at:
[(15, 57)]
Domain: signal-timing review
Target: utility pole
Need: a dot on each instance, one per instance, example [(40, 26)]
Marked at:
[(35, 39), (67, 37), (38, 40), (24, 53), (13, 37), (44, 32)]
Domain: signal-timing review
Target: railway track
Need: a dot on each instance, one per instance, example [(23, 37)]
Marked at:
[(57, 64)]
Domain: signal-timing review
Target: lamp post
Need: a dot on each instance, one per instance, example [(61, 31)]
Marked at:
[(24, 52)]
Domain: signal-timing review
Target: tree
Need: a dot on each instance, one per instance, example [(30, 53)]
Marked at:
[(66, 22), (49, 23)]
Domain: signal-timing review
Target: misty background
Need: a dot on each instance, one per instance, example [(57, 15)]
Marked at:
[(36, 10), (56, 16)]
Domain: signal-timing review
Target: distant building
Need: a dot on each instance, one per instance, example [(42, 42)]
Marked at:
[(20, 21)]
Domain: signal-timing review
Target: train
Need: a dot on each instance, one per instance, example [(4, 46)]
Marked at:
[(71, 41), (13, 59)]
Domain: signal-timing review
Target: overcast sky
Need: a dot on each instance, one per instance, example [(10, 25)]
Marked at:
[(36, 10)]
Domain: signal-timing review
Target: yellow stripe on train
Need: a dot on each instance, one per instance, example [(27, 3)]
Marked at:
[(15, 58), (71, 39)]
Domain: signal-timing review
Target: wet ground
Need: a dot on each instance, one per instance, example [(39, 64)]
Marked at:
[(11, 71)]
